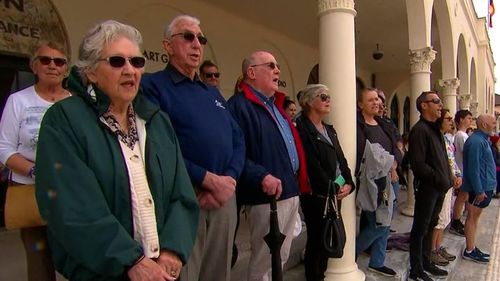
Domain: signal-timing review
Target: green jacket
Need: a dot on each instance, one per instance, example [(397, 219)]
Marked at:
[(83, 192)]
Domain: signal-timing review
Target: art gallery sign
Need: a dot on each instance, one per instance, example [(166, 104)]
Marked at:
[(24, 23)]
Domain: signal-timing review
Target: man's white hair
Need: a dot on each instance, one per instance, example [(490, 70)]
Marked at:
[(169, 29)]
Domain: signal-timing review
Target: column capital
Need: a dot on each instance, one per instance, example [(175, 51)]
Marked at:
[(421, 60), (473, 108), (465, 101), (325, 6)]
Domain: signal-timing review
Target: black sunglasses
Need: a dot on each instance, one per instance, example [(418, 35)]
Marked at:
[(119, 61), (324, 97), (189, 36), (271, 65), (212, 75), (45, 60), (434, 101)]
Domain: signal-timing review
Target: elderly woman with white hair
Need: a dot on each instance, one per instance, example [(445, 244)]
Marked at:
[(325, 162), (111, 180)]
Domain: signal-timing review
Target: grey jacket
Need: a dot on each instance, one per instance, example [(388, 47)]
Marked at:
[(374, 179)]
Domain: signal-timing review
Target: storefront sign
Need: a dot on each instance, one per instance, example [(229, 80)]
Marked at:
[(23, 23)]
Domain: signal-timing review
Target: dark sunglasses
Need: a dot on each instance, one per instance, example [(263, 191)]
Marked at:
[(119, 61), (434, 101), (46, 60), (324, 97), (271, 65), (189, 36), (212, 75)]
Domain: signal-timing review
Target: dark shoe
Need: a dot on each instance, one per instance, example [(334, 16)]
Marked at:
[(457, 228), (481, 253), (435, 271), (384, 270), (422, 276), (475, 256), (496, 195), (437, 259), (449, 257)]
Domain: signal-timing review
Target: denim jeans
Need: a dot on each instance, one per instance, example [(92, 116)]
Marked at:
[(374, 237)]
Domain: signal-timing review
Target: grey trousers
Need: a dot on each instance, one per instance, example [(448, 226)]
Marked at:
[(211, 256)]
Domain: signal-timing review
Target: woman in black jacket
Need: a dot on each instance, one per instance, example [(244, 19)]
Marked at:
[(325, 162)]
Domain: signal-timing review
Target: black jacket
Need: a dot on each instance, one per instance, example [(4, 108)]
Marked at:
[(321, 156), (427, 154)]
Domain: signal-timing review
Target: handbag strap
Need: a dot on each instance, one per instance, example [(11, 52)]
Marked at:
[(331, 203)]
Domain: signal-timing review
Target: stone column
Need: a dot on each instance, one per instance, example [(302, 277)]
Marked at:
[(465, 101), (450, 87), (337, 70), (420, 81), (473, 109)]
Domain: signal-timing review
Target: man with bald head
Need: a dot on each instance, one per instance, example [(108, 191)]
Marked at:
[(479, 181), (275, 163), (211, 142)]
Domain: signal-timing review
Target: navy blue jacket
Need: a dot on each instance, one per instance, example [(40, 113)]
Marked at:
[(209, 138), (266, 152)]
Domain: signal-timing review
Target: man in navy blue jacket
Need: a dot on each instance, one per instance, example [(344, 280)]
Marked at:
[(275, 164), (211, 142)]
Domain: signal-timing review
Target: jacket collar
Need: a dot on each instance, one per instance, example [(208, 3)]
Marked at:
[(99, 101), (311, 129), (248, 92), (178, 77)]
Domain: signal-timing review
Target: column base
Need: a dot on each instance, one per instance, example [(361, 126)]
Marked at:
[(352, 273)]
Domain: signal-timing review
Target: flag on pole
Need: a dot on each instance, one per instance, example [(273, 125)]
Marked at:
[(491, 12)]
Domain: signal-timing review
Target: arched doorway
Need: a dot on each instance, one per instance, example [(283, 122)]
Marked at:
[(395, 111)]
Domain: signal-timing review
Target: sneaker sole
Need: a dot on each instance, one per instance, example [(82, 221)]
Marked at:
[(436, 276), (474, 260), (381, 273)]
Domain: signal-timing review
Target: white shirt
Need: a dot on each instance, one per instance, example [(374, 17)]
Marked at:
[(19, 127), (460, 138)]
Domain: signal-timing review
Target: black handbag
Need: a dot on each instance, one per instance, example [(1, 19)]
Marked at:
[(333, 233)]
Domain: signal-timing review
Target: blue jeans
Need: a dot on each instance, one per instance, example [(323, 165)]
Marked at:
[(374, 236)]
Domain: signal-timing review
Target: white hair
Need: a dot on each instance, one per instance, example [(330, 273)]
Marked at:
[(169, 29), (97, 38)]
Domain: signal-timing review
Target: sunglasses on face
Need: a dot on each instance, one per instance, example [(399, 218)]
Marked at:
[(271, 65), (45, 60), (434, 101), (119, 61), (324, 97), (189, 36), (212, 75)]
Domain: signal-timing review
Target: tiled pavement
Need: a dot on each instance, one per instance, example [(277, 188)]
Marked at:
[(13, 266)]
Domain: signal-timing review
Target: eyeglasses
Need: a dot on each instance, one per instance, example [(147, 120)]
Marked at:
[(324, 97), (45, 60), (189, 36), (119, 61), (449, 118), (434, 101), (212, 75), (271, 65)]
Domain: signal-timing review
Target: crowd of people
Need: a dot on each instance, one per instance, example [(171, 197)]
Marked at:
[(143, 177)]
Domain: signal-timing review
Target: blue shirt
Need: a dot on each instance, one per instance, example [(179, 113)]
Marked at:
[(479, 166), (209, 137), (283, 127)]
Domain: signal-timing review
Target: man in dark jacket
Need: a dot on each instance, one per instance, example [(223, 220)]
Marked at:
[(429, 163), (275, 161)]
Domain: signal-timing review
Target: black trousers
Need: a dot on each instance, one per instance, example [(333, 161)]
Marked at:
[(428, 203), (315, 260)]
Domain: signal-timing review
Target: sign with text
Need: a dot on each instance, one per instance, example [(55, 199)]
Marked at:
[(23, 23)]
